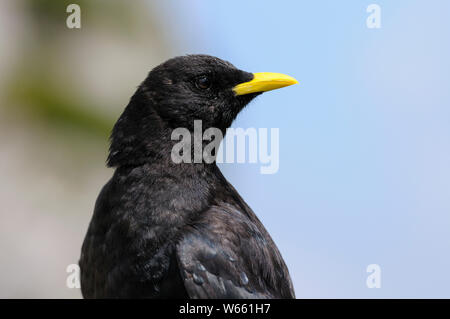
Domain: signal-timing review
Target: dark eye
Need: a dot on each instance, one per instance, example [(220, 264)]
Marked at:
[(203, 82)]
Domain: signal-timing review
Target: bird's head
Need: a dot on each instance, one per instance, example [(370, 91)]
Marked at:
[(180, 91)]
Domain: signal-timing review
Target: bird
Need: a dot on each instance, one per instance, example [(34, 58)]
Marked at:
[(164, 230)]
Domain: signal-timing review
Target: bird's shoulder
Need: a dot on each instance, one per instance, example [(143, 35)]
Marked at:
[(227, 253)]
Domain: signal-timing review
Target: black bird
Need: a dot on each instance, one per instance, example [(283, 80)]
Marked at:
[(162, 229)]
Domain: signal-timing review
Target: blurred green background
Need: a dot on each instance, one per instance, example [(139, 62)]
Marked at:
[(60, 92)]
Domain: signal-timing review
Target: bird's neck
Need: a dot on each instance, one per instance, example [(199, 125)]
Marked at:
[(173, 193), (141, 136)]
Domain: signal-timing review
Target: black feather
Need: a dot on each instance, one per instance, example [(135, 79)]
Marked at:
[(166, 230)]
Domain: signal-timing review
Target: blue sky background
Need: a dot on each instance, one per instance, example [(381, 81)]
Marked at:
[(364, 138)]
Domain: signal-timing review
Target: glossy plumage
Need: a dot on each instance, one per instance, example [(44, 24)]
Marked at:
[(167, 230)]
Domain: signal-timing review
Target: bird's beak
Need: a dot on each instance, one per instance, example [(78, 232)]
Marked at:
[(264, 81)]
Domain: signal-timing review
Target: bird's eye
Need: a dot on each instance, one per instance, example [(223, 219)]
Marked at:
[(203, 82)]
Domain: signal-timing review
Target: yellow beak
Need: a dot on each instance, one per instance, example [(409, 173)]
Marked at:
[(264, 81)]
